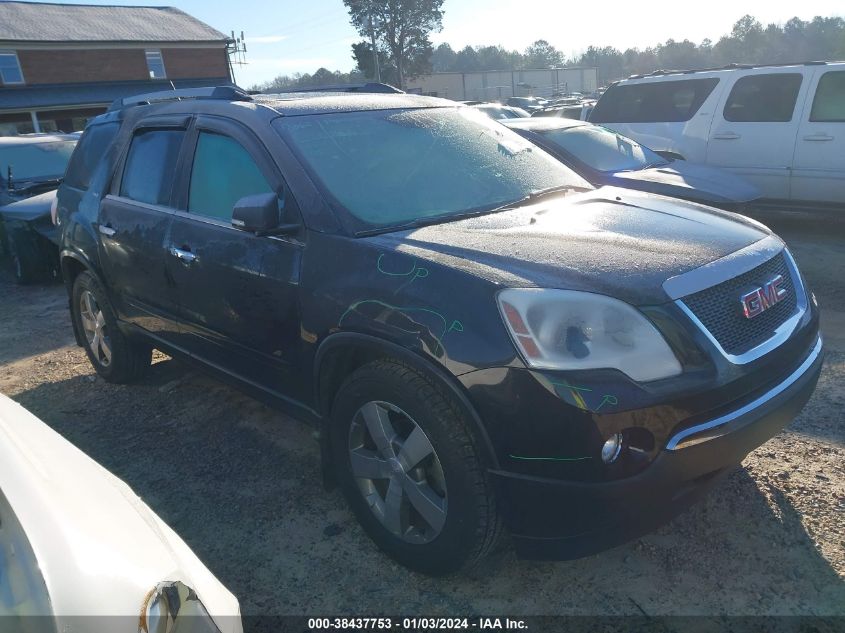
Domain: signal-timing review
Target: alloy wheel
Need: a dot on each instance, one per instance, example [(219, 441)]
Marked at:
[(95, 328), (398, 472)]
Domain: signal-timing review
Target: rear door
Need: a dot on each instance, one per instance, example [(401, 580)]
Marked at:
[(818, 173), (753, 132), (237, 292), (134, 223)]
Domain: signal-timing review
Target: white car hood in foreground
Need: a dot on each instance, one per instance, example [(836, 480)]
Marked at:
[(100, 549)]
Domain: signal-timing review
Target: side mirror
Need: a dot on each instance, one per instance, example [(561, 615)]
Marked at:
[(259, 214)]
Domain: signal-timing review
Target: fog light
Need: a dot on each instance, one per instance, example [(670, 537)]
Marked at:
[(611, 449)]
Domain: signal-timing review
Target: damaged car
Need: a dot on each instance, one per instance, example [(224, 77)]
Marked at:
[(483, 341)]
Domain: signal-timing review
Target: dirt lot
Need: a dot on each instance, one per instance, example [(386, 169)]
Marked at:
[(240, 483)]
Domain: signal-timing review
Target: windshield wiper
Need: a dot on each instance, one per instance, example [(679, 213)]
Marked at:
[(32, 184), (534, 196), (454, 217), (420, 222)]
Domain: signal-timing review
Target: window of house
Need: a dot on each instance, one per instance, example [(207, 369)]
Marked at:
[(222, 174), (763, 98), (10, 68), (155, 64), (653, 101), (829, 102), (70, 120), (16, 123), (151, 165)]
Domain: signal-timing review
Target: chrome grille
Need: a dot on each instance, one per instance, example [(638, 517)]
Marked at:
[(719, 310)]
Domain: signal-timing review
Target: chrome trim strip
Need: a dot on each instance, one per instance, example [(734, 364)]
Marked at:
[(733, 415), (782, 332), (723, 269)]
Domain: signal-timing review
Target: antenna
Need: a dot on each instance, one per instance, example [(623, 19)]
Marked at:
[(235, 51)]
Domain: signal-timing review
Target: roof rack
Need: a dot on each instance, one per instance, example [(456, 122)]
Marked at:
[(731, 66), (224, 93)]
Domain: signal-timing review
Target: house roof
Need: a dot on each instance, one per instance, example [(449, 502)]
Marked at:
[(48, 22)]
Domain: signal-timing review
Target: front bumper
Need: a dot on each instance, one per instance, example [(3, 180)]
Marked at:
[(554, 519)]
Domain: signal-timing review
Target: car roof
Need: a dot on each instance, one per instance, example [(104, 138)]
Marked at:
[(31, 139), (301, 103), (661, 75), (543, 123)]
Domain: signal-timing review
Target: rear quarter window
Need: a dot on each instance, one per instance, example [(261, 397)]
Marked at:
[(90, 149), (653, 102)]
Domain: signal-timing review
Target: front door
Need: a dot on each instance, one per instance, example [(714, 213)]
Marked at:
[(819, 171), (237, 292), (754, 127)]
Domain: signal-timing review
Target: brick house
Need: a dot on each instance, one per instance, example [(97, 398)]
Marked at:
[(61, 64)]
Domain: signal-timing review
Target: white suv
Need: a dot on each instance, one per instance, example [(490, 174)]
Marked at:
[(781, 127)]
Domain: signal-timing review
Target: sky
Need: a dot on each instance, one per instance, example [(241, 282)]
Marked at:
[(288, 36)]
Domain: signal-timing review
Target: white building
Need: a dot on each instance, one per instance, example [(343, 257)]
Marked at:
[(493, 85)]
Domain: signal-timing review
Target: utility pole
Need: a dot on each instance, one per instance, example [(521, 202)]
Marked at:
[(375, 50)]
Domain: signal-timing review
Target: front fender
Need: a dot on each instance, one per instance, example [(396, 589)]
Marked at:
[(348, 343)]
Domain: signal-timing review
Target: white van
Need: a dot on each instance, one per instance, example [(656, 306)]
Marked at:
[(780, 127)]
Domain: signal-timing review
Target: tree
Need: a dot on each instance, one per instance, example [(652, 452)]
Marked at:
[(541, 54), (401, 28), (443, 59), (362, 53), (321, 77), (467, 60)]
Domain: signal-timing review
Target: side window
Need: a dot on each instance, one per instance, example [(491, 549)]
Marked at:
[(91, 148), (222, 174), (829, 102), (763, 98), (653, 101), (151, 165)]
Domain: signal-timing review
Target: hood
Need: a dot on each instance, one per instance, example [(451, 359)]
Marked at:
[(689, 180), (99, 548), (609, 241), (29, 208)]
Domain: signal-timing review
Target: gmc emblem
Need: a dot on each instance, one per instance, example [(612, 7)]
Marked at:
[(758, 300)]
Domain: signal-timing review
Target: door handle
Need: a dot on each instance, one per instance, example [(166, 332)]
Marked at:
[(818, 137), (726, 136), (186, 257), (106, 230)]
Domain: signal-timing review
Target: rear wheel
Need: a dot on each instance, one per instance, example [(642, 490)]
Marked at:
[(114, 356), (411, 469)]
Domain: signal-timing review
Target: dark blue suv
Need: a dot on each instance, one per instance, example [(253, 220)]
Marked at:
[(481, 339)]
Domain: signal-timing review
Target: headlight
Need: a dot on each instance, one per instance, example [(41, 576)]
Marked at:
[(172, 607), (571, 330)]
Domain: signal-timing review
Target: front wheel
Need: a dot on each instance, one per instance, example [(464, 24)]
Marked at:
[(113, 355), (411, 468)]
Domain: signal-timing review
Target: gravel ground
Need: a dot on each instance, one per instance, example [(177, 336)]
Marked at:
[(240, 483)]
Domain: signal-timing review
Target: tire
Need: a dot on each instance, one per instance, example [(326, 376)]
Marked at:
[(459, 526), (112, 354), (24, 255)]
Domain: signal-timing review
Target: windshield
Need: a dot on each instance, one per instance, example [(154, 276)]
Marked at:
[(395, 167), (503, 112), (35, 161), (603, 149)]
